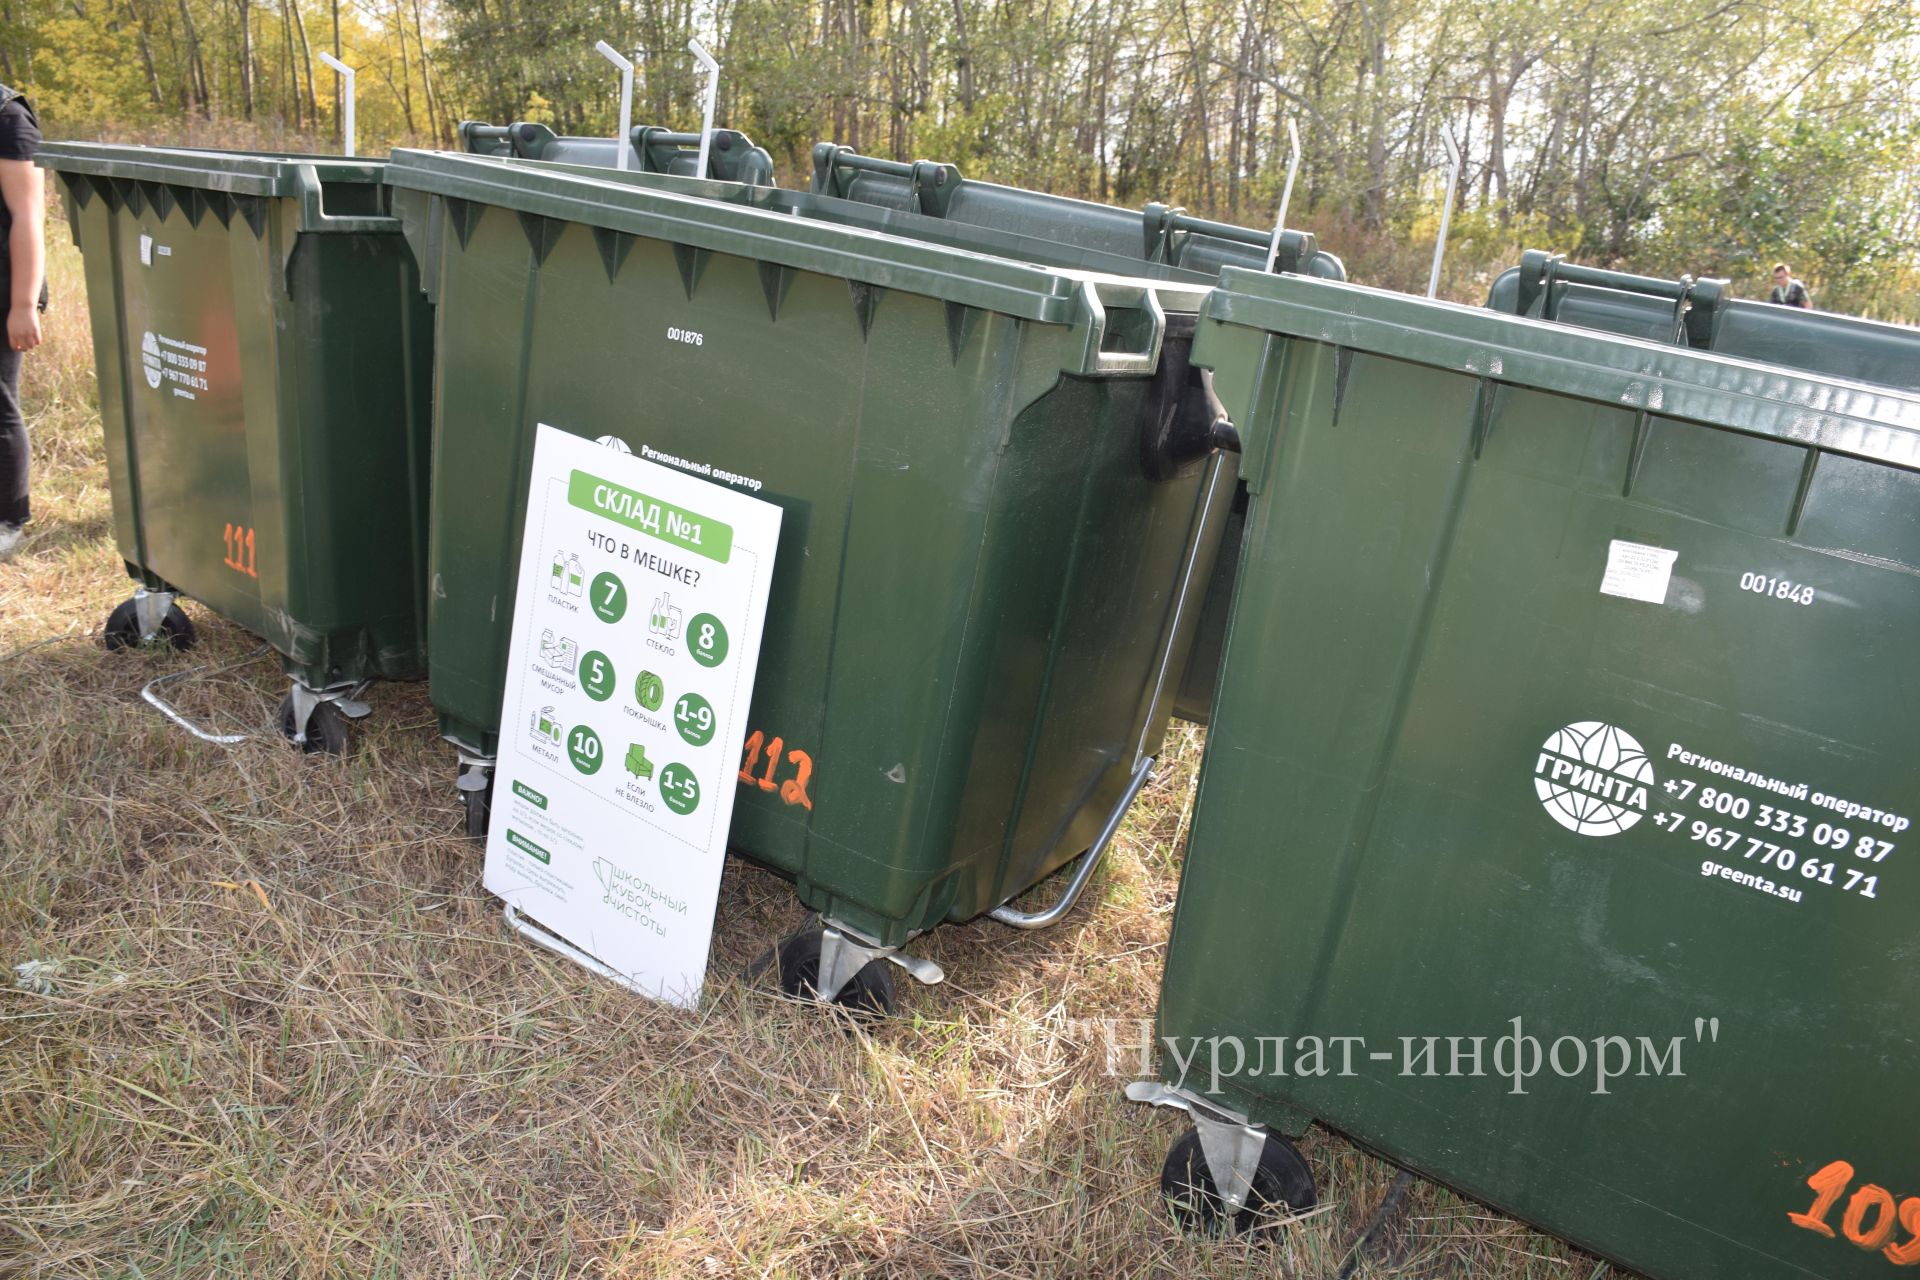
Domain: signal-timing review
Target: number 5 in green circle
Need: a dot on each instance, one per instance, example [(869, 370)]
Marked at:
[(596, 675), (707, 639)]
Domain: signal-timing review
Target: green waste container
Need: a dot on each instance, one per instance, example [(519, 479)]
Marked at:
[(1553, 834), (732, 157), (264, 357), (1703, 315), (985, 579), (1160, 234)]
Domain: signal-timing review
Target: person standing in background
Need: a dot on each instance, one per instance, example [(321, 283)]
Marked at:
[(1787, 291), (23, 268)]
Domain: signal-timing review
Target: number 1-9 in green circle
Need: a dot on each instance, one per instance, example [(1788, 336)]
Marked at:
[(693, 717)]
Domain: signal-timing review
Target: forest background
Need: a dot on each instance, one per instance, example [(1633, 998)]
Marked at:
[(1663, 136)]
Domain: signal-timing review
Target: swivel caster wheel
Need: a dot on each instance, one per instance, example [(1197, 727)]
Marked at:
[(326, 728), (868, 995), (123, 629), (476, 798), (1282, 1186)]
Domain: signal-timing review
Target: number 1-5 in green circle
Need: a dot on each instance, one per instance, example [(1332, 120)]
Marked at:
[(708, 640), (596, 675), (583, 748), (679, 788), (608, 597)]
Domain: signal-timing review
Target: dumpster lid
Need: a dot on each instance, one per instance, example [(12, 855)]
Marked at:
[(1862, 419), (1047, 294), (241, 173)]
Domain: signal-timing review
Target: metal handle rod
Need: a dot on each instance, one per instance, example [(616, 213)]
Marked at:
[(174, 714), (561, 947), (346, 75), (1090, 860), (1446, 209), (620, 139), (1286, 192), (706, 112)]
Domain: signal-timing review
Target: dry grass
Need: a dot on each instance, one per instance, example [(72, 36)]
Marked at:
[(284, 1032)]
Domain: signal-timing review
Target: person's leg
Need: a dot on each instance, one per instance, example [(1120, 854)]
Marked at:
[(13, 444)]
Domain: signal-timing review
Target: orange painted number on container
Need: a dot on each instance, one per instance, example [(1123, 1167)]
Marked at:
[(240, 550), (794, 789), (1871, 1218)]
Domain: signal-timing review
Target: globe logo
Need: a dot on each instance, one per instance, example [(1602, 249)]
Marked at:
[(1593, 779), (150, 359)]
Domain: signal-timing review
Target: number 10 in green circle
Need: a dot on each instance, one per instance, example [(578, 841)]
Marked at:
[(583, 748)]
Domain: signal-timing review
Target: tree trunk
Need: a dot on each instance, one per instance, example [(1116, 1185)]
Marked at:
[(246, 56), (306, 57)]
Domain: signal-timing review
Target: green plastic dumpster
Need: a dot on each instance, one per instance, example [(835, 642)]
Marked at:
[(732, 156), (264, 356), (985, 585), (1553, 832), (1158, 234), (1703, 315)]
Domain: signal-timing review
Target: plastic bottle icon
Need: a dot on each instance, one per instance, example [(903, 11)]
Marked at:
[(569, 576)]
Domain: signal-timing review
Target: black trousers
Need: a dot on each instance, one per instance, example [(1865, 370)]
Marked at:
[(13, 443)]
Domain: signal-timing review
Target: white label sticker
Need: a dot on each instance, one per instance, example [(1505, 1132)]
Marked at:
[(1636, 571), (636, 633), (146, 250)]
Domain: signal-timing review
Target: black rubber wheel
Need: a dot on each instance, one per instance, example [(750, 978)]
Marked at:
[(1282, 1186), (123, 629), (868, 995), (326, 731), (479, 806)]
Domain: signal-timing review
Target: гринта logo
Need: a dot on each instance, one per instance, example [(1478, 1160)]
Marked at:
[(1593, 778), (150, 359)]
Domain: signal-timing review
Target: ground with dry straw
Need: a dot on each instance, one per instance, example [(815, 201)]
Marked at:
[(273, 1026)]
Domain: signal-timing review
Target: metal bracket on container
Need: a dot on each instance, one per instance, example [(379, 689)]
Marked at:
[(476, 772), (1090, 860), (172, 712), (150, 611), (344, 697), (844, 953), (1230, 1143)]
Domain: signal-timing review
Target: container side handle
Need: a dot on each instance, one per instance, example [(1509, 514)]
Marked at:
[(706, 107), (346, 74), (1092, 327), (625, 64)]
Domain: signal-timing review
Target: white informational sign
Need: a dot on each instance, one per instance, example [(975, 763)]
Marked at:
[(1636, 571), (636, 631)]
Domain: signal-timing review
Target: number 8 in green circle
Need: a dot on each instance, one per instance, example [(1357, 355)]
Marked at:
[(707, 639)]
